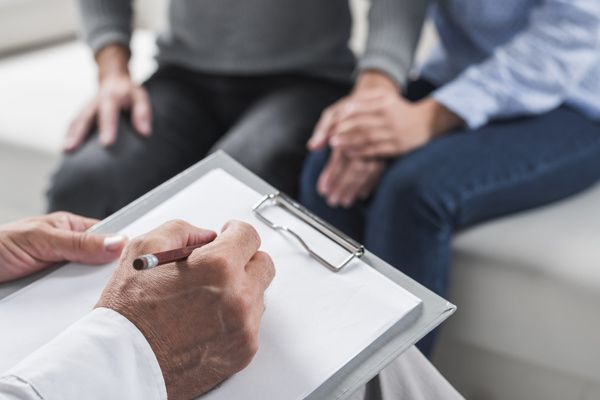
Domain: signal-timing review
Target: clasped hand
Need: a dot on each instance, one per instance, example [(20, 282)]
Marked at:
[(368, 128)]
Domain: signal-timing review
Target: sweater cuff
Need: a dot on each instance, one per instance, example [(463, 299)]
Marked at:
[(385, 64), (99, 40)]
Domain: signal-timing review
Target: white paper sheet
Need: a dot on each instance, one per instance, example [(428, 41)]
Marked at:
[(315, 322)]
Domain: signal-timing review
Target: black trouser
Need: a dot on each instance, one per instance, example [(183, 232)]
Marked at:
[(263, 122)]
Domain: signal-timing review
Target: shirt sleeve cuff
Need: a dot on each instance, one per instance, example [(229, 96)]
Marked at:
[(468, 100), (103, 356)]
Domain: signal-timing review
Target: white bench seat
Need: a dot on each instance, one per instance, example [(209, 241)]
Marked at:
[(528, 294)]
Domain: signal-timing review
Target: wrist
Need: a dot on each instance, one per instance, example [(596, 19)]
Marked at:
[(439, 118), (113, 61), (372, 79), (112, 299)]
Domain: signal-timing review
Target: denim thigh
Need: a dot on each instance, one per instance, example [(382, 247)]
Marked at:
[(473, 176)]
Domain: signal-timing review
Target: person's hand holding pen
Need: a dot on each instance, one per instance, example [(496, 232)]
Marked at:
[(200, 315)]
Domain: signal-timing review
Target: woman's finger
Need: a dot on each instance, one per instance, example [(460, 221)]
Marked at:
[(382, 149), (354, 182), (331, 173), (372, 178), (357, 124), (357, 144)]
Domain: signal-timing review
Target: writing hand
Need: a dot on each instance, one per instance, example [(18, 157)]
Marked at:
[(201, 316)]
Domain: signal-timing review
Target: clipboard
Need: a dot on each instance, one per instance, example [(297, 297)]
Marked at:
[(373, 358)]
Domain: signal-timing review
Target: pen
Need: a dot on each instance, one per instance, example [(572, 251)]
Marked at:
[(148, 261)]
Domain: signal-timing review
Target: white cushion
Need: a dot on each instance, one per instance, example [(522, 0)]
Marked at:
[(528, 289), (560, 241)]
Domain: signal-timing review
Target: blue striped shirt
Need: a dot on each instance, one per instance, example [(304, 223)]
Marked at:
[(507, 58)]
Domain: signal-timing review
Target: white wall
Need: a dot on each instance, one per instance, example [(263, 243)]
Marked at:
[(25, 23)]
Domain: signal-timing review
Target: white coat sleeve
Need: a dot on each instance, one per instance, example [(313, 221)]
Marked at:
[(102, 356)]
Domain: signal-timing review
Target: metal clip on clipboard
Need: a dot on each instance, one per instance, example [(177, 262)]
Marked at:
[(282, 201)]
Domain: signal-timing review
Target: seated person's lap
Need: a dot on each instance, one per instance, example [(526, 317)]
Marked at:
[(263, 122)]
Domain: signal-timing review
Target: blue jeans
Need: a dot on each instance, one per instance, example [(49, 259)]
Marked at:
[(459, 180)]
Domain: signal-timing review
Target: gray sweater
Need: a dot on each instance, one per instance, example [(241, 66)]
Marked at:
[(257, 37)]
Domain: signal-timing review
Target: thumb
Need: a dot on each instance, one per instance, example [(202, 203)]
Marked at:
[(87, 248)]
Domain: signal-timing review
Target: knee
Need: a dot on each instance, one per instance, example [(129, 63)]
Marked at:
[(81, 187), (414, 200), (313, 165)]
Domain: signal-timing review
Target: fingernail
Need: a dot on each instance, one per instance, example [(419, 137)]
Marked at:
[(113, 242), (335, 141)]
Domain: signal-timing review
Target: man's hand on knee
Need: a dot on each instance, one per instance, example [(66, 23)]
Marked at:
[(201, 316), (117, 92)]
